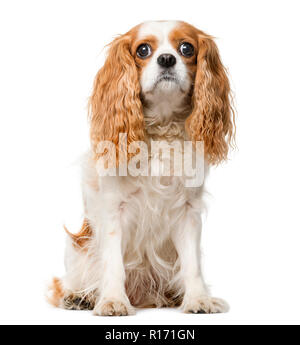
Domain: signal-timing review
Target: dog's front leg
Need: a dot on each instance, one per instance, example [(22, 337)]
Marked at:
[(112, 298), (186, 238)]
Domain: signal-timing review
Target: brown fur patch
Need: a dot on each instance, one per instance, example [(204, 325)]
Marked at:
[(56, 292), (186, 33)]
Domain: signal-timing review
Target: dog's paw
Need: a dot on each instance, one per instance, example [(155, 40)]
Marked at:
[(205, 305), (113, 308), (78, 302)]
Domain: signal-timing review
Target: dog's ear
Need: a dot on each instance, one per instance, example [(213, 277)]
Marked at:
[(212, 117), (115, 106)]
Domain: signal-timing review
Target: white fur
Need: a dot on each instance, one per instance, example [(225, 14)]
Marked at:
[(146, 230)]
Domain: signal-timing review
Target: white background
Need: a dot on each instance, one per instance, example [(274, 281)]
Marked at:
[(50, 52)]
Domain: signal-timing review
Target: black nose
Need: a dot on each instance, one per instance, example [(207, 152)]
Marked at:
[(166, 60)]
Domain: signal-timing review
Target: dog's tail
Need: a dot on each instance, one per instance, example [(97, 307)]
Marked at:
[(56, 292), (80, 240)]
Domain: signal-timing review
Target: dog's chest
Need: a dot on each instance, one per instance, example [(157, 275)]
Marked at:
[(156, 203)]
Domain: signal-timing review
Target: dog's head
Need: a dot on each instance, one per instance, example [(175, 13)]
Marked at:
[(163, 60)]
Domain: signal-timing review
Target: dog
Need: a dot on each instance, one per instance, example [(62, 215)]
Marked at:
[(162, 81)]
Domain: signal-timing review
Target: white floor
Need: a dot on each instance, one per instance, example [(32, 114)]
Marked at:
[(48, 315), (244, 310)]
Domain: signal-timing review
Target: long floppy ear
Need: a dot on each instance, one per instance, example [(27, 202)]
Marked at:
[(212, 117), (115, 106)]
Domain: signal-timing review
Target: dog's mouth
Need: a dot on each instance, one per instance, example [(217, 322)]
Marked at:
[(166, 77)]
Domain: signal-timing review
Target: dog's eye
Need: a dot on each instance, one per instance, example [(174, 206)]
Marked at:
[(143, 50), (186, 49)]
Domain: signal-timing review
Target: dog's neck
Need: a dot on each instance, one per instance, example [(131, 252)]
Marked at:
[(162, 107), (165, 113)]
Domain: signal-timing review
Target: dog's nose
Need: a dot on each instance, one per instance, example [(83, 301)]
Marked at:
[(166, 60)]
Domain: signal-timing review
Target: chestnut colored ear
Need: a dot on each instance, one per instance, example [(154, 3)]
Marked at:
[(212, 118), (115, 106)]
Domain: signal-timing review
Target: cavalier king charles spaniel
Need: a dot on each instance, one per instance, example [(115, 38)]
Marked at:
[(163, 82)]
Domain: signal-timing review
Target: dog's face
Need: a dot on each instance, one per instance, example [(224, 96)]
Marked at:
[(163, 61), (165, 54)]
